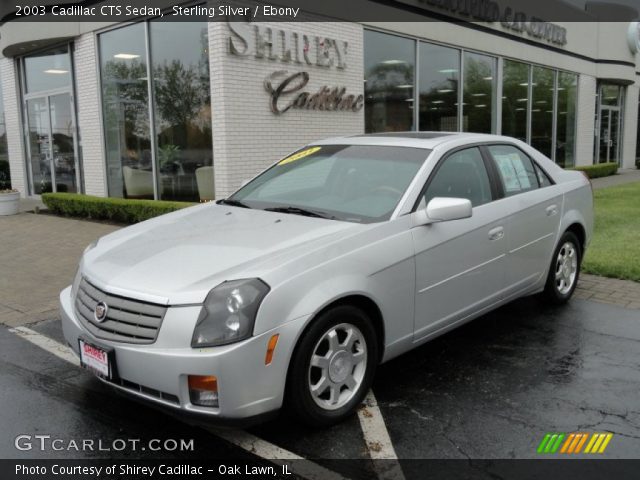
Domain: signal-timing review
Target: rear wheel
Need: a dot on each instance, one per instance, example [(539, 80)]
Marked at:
[(332, 367), (564, 270)]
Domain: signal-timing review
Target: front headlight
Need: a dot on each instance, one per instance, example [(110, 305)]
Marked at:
[(229, 312)]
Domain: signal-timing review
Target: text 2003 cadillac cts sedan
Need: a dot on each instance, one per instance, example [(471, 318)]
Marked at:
[(343, 255)]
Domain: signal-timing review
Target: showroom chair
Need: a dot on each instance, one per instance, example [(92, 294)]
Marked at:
[(205, 179), (138, 183)]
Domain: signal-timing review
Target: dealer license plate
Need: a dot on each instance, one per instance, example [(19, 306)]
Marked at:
[(96, 359)]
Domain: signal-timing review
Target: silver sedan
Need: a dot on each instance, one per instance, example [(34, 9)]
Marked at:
[(337, 258)]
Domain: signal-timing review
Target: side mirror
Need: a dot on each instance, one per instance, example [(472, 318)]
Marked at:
[(443, 209)]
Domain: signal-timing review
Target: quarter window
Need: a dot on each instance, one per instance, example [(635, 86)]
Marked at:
[(543, 178), (461, 175), (516, 169)]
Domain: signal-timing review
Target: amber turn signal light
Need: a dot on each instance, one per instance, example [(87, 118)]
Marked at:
[(203, 390), (271, 348)]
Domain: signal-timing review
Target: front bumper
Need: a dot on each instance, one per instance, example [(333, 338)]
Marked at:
[(159, 372)]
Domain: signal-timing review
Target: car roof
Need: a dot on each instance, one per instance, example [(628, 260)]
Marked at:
[(427, 140)]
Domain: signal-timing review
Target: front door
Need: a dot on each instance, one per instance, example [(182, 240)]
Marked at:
[(609, 134), (51, 144), (460, 264)]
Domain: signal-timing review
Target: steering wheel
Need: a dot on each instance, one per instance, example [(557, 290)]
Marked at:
[(387, 190)]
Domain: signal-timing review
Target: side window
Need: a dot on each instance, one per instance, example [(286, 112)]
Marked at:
[(515, 168), (462, 175), (543, 178)]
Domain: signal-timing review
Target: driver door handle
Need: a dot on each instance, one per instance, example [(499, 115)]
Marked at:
[(496, 233), (551, 210)]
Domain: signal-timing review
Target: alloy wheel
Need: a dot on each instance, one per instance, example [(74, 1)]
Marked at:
[(338, 365)]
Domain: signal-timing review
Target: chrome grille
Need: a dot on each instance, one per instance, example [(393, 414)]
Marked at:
[(127, 320)]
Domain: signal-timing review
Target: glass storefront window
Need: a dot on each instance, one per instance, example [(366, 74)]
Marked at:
[(389, 70), (542, 109), (610, 95), (5, 178), (177, 163), (478, 93), (515, 99), (609, 123), (535, 99), (48, 70), (125, 99), (438, 88), (566, 119), (51, 128), (182, 106)]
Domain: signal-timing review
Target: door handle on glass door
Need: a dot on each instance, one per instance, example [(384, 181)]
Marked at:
[(496, 233), (551, 210)]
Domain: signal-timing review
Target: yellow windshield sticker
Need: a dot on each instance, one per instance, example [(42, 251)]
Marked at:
[(297, 156)]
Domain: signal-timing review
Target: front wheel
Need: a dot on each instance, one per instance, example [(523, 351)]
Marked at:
[(333, 366), (564, 270)]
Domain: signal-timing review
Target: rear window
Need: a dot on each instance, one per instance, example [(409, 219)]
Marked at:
[(515, 168)]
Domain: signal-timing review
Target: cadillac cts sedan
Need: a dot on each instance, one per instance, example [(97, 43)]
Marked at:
[(341, 256)]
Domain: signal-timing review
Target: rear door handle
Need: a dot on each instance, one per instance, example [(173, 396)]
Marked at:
[(551, 210), (496, 233)]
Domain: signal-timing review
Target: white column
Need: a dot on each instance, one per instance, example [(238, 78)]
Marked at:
[(12, 116), (630, 126), (89, 115), (585, 122)]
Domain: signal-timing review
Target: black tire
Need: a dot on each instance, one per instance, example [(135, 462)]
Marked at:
[(553, 293), (299, 400)]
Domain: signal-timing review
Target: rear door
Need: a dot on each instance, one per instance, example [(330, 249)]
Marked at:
[(459, 263), (534, 204)]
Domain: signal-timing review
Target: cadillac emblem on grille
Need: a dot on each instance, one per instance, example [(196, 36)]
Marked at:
[(100, 312)]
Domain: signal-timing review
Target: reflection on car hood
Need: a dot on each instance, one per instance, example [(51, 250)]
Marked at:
[(178, 258)]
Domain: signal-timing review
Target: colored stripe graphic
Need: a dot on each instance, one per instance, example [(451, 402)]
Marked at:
[(543, 443), (565, 447), (573, 443), (605, 443), (551, 442)]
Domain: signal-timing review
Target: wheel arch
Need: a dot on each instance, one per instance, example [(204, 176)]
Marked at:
[(579, 231), (358, 300)]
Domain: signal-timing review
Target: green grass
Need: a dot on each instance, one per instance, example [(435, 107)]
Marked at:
[(615, 247)]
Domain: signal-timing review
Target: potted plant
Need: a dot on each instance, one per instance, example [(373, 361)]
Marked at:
[(9, 201)]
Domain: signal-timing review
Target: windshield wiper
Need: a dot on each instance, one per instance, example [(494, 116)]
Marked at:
[(298, 211), (233, 203)]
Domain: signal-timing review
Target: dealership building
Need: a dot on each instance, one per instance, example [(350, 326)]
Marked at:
[(188, 110)]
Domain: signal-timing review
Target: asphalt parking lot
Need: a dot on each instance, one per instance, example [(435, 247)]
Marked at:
[(490, 389)]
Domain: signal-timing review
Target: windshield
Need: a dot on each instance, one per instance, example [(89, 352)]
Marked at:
[(354, 183)]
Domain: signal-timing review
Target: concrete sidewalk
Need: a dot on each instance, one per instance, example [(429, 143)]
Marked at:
[(39, 255), (628, 175)]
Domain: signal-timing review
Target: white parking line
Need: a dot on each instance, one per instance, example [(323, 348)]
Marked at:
[(46, 343), (378, 441), (261, 448)]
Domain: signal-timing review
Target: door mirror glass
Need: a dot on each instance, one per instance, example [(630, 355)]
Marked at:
[(443, 209)]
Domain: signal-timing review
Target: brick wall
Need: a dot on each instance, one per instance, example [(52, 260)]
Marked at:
[(88, 106), (247, 135), (12, 117)]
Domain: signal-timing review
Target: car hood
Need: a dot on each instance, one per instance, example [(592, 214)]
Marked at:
[(177, 258)]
